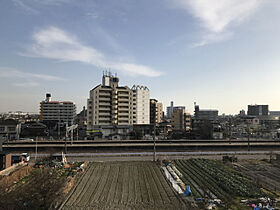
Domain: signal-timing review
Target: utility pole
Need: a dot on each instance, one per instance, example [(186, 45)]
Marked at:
[(154, 142), (65, 147), (72, 135), (58, 124), (248, 138), (36, 149)]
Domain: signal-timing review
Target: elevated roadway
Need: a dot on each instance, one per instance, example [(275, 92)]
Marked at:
[(142, 146)]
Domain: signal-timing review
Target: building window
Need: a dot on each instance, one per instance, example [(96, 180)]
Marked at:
[(11, 128)]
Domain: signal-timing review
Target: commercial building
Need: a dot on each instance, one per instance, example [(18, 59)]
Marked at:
[(205, 114), (274, 113), (156, 112), (9, 129), (170, 109), (5, 160), (257, 110), (180, 120), (57, 111), (142, 96)]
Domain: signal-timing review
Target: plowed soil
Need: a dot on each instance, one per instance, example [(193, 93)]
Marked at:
[(123, 185)]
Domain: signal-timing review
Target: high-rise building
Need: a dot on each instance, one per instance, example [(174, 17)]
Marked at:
[(59, 111), (156, 113), (110, 104), (142, 96), (113, 109), (205, 114), (170, 109), (180, 120), (257, 110)]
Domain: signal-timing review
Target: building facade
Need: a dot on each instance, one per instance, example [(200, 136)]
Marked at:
[(156, 112), (205, 114), (258, 110), (110, 104), (63, 112), (142, 96), (170, 109), (9, 129)]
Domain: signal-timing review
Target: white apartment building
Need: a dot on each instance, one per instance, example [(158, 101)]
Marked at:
[(142, 95), (60, 111)]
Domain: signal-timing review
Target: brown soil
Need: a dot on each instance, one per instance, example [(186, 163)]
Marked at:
[(8, 181), (123, 185)]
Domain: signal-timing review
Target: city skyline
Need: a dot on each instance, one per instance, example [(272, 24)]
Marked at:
[(224, 58)]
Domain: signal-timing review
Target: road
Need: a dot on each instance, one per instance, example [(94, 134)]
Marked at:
[(147, 156)]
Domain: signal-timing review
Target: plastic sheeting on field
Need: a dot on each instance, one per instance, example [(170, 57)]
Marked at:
[(173, 182)]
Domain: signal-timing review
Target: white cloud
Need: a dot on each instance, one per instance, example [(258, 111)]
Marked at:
[(216, 16), (25, 7), (211, 38), (13, 73), (54, 43), (26, 84)]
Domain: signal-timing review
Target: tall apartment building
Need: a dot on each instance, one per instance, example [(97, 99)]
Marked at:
[(205, 114), (110, 104), (180, 120), (258, 110), (63, 112), (177, 119), (170, 109), (142, 96), (156, 112)]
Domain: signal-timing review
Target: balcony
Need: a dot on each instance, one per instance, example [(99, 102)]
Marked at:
[(104, 114), (104, 108), (124, 94), (101, 93), (101, 118), (104, 103), (104, 99)]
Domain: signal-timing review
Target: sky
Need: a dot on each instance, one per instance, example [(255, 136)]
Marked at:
[(221, 54)]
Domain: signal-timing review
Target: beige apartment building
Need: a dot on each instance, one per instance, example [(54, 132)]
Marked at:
[(156, 113), (60, 111), (180, 120), (110, 104)]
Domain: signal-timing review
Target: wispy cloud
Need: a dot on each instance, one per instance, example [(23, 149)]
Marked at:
[(217, 16), (33, 6), (212, 38), (26, 84), (25, 7), (54, 43), (26, 79), (13, 73)]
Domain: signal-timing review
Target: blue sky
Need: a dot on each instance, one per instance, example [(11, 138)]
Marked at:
[(223, 54)]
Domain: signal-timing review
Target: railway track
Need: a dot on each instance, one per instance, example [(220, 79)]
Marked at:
[(93, 142)]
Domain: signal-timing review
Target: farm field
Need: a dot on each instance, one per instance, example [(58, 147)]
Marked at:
[(123, 185), (212, 180), (265, 173)]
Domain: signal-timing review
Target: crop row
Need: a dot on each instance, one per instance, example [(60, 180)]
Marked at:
[(213, 179), (227, 178), (123, 186)]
